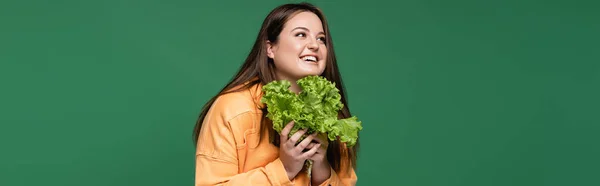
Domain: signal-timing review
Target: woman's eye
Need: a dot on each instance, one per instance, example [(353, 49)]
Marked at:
[(300, 34), (322, 39)]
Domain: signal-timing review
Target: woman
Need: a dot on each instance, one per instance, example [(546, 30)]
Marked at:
[(235, 142)]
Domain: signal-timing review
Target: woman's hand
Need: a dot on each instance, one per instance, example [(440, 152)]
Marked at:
[(292, 155), (321, 170)]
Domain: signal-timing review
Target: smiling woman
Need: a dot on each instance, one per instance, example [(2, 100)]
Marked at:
[(302, 36), (235, 141)]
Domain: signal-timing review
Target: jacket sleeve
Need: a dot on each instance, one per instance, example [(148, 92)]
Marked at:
[(341, 178), (217, 161), (345, 177)]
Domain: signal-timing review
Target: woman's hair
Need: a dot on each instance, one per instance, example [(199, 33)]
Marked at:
[(259, 68)]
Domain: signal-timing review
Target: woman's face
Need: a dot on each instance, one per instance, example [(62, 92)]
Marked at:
[(300, 50)]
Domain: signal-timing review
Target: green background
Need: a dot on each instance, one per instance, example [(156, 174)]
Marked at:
[(450, 93)]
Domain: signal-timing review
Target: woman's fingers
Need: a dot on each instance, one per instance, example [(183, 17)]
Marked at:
[(286, 131), (296, 136), (322, 139), (311, 152), (309, 146), (305, 142)]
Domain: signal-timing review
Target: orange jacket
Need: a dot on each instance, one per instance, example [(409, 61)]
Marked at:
[(229, 152)]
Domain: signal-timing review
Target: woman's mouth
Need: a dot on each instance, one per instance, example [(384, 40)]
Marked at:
[(310, 59)]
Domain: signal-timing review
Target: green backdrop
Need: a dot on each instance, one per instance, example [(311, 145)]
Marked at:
[(450, 93)]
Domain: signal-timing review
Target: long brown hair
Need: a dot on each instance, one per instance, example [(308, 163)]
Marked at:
[(259, 68)]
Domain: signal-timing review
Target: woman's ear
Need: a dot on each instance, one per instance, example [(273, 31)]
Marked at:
[(270, 50)]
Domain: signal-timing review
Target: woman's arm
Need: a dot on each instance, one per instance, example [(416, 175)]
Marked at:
[(215, 171), (324, 174), (217, 161), (341, 178)]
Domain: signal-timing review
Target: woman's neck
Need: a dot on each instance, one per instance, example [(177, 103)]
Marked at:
[(293, 85)]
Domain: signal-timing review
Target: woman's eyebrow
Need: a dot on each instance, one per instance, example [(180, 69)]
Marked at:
[(304, 28)]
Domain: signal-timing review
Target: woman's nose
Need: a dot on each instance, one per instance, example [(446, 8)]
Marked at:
[(313, 45)]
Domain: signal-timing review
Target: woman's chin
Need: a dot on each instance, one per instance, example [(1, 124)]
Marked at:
[(314, 73), (311, 71)]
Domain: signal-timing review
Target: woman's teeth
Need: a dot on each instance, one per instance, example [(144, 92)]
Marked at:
[(310, 58)]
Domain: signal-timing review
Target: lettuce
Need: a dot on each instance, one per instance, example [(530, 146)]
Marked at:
[(315, 108)]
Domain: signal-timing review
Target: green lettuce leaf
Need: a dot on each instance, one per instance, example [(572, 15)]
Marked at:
[(347, 129), (315, 108), (283, 105)]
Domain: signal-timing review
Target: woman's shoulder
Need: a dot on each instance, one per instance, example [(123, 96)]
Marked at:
[(238, 101)]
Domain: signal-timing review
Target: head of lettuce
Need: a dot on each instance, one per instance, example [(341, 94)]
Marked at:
[(315, 108)]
